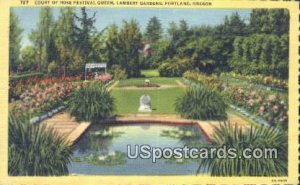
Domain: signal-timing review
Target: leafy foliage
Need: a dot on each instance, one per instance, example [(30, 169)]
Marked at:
[(174, 67), (65, 37), (118, 72), (154, 30), (130, 43), (203, 103), (35, 150), (42, 38), (212, 81), (256, 137), (260, 46), (270, 21), (261, 54), (14, 41), (91, 102)]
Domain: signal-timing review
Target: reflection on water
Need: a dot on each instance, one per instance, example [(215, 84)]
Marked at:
[(103, 149)]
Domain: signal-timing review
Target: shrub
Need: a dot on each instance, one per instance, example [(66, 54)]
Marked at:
[(203, 79), (201, 102), (52, 68), (35, 150), (173, 67), (118, 72), (91, 102), (255, 137)]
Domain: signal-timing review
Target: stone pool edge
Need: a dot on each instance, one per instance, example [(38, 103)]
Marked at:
[(75, 135), (207, 128)]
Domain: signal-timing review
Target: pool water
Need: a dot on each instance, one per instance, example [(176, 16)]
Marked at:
[(102, 150)]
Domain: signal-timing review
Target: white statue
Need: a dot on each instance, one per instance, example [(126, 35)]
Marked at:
[(145, 103)]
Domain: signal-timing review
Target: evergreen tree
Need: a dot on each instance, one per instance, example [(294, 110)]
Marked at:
[(273, 21), (111, 50), (85, 32), (153, 30), (130, 42)]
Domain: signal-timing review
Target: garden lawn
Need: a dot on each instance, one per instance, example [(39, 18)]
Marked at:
[(162, 100), (150, 73)]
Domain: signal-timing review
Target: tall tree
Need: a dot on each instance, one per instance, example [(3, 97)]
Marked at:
[(153, 30), (15, 36), (28, 58), (273, 21), (41, 37), (65, 38), (112, 46), (130, 42), (85, 32)]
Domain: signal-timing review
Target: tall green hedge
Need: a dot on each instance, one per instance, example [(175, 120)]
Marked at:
[(261, 54)]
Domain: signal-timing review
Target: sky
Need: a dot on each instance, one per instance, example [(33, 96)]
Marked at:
[(105, 16)]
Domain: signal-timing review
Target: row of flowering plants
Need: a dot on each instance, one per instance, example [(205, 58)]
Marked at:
[(18, 87), (104, 78), (39, 95), (269, 81), (265, 104), (268, 105), (203, 79), (42, 98)]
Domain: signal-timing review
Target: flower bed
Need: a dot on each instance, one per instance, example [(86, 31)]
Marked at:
[(106, 77), (42, 98), (147, 85), (265, 104), (261, 80), (17, 87), (270, 106)]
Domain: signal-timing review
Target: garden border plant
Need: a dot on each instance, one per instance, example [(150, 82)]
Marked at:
[(268, 105), (233, 136), (91, 102), (35, 150), (203, 103)]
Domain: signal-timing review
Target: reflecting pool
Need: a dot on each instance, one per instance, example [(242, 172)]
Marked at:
[(102, 150)]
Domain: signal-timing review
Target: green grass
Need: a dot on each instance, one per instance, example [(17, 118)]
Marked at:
[(150, 73), (162, 100), (26, 75), (250, 121), (156, 80)]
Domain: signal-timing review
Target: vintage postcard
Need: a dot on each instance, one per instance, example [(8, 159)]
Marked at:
[(141, 92)]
